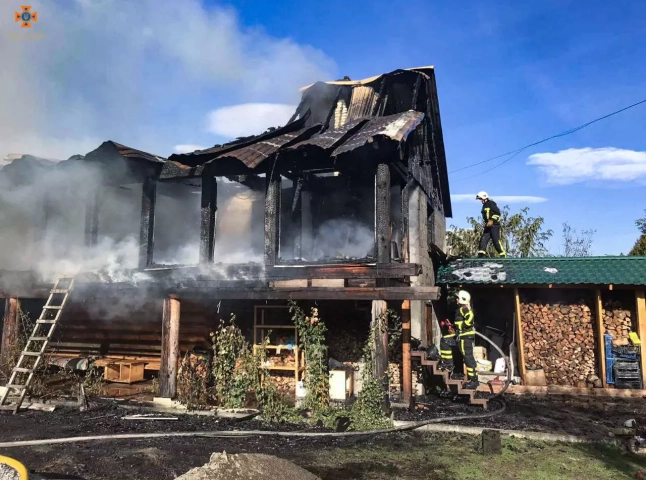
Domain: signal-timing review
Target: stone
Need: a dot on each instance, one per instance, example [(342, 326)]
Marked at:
[(491, 442), (247, 466)]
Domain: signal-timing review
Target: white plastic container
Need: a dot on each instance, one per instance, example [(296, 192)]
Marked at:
[(301, 391), (499, 367)]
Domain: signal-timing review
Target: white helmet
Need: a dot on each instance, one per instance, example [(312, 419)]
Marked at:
[(463, 297), (482, 196)]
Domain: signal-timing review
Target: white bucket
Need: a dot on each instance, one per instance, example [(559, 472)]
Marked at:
[(301, 391), (500, 365)]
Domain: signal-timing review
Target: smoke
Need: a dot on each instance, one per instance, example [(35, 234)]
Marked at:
[(343, 238), (92, 70)]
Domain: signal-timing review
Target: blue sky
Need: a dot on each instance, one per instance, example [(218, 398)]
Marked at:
[(191, 73)]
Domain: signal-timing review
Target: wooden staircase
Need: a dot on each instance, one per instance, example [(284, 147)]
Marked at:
[(454, 386)]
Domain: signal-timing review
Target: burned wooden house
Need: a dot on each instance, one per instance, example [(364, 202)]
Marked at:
[(345, 206)]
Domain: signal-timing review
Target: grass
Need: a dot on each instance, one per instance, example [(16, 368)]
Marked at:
[(457, 458)]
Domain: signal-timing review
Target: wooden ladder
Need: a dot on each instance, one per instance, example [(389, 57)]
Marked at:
[(41, 335), (454, 386)]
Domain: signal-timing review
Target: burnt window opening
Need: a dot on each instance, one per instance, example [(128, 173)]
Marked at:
[(177, 223), (332, 219), (239, 224), (118, 219)]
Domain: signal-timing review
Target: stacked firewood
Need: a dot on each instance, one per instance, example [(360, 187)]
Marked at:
[(560, 339), (285, 383), (394, 375), (617, 321), (283, 359)]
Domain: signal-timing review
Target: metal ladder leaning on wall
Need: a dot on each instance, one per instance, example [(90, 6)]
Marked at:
[(51, 314)]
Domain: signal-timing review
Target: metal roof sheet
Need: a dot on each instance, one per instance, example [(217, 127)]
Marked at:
[(395, 127), (624, 270)]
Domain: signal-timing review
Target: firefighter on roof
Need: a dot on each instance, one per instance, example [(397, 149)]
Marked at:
[(465, 336), (491, 216)]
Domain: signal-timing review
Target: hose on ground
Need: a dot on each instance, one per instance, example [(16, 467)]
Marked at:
[(251, 433)]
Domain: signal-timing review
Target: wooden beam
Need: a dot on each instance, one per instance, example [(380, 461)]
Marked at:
[(405, 214), (208, 209), (313, 293), (272, 219), (640, 308), (389, 270), (11, 325), (147, 226), (601, 330), (92, 218), (519, 335), (169, 348), (382, 213), (407, 381)]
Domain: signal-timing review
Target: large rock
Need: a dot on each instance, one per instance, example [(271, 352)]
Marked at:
[(247, 466)]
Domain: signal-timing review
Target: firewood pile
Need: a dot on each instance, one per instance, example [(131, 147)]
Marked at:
[(283, 359), (285, 383), (394, 374), (617, 321), (560, 339)]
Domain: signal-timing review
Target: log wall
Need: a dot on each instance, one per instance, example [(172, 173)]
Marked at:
[(560, 335), (96, 329)]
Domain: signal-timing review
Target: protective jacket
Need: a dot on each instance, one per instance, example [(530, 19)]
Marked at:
[(490, 211), (464, 321)]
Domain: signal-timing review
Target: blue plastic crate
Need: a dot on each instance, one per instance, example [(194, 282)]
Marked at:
[(607, 339), (610, 362)]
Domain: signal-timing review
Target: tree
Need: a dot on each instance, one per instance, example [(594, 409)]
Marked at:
[(640, 245), (577, 244), (522, 236)]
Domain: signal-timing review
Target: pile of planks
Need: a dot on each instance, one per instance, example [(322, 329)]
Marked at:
[(617, 321), (560, 338)]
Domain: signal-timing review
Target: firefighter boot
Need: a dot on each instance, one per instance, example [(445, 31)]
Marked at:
[(445, 365), (472, 384)]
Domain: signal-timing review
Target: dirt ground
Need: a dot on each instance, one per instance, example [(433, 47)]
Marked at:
[(376, 457)]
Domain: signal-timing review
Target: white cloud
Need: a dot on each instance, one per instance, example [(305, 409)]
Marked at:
[(471, 197), (576, 165), (187, 148), (248, 119), (105, 70)]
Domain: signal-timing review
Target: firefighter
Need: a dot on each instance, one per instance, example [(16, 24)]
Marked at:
[(491, 216), (465, 336), (446, 346)]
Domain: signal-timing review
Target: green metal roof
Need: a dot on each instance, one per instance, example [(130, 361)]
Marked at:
[(545, 270)]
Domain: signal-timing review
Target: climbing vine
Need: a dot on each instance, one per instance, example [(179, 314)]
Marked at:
[(311, 338), (367, 412)]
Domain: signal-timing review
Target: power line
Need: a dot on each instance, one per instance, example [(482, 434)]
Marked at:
[(513, 153)]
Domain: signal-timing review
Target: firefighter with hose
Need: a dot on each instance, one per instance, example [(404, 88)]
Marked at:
[(462, 335)]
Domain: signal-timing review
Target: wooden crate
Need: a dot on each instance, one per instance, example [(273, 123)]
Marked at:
[(124, 372)]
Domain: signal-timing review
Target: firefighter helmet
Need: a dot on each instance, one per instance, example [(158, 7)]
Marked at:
[(482, 196), (463, 297)]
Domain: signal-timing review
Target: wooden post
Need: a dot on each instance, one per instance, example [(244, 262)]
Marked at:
[(307, 236), (92, 218), (11, 326), (272, 220), (407, 374), (405, 214), (297, 218), (379, 326), (601, 352), (519, 336), (147, 226), (208, 209), (382, 213), (640, 308), (169, 348)]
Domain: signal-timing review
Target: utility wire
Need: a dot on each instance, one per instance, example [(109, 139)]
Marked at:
[(513, 153)]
